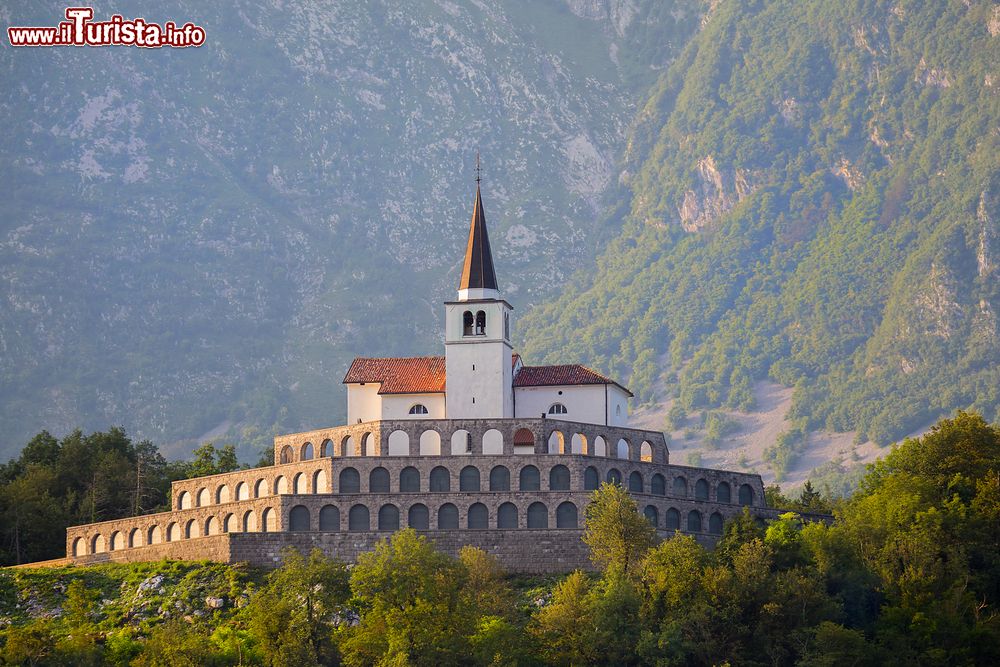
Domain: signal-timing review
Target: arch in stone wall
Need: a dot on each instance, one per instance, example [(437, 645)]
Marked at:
[(204, 497), (358, 518), (287, 456), (673, 519), (559, 478), (191, 529), (529, 479), (211, 526), (299, 483), (268, 520), (299, 519), (500, 478), (479, 517), (591, 479), (350, 481), (249, 522), (409, 480), (260, 488), (694, 521), (418, 517), (635, 482), (388, 517), (440, 480), (229, 524), (461, 443), (507, 516), (347, 446), (701, 489), (556, 442), (524, 441), (368, 444), (79, 547), (97, 544), (308, 452), (622, 449), (222, 494), (538, 516), (578, 445), (566, 515), (184, 501), (723, 493), (399, 443), (447, 517), (658, 485), (614, 476), (715, 523), (117, 541), (680, 488), (173, 531), (134, 538), (600, 446), (646, 452), (430, 443), (378, 480), (321, 483), (326, 448), (746, 495), (493, 443), (468, 479), (242, 491), (280, 485), (329, 518), (652, 515), (153, 535)]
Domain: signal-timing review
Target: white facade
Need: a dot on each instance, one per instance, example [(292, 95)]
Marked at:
[(365, 404), (589, 403), (478, 357)]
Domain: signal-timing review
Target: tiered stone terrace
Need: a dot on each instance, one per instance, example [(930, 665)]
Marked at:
[(515, 487)]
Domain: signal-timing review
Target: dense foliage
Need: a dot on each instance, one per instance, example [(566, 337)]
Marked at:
[(811, 195), (86, 478), (908, 572)]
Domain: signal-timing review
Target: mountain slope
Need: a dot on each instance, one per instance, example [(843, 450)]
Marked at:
[(812, 196)]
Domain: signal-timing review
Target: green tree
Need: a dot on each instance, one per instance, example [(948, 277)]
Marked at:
[(618, 536), (562, 627)]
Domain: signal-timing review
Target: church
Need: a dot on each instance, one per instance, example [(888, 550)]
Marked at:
[(474, 447)]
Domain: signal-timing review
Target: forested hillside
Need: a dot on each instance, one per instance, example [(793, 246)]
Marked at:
[(810, 194)]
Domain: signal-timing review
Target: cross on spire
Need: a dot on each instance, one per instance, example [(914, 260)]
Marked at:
[(479, 172)]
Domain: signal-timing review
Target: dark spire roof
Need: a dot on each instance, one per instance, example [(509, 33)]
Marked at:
[(477, 272)]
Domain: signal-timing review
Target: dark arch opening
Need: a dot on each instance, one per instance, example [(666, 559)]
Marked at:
[(350, 481), (298, 518), (701, 490), (440, 480), (591, 479), (507, 516), (715, 524), (559, 479), (566, 515), (409, 480), (723, 493), (530, 479), (359, 518), (329, 518), (479, 517), (388, 517), (680, 487), (419, 517), (658, 485), (378, 480), (653, 516), (746, 495), (694, 521), (673, 519), (615, 476), (635, 482), (538, 516), (468, 479), (448, 517), (500, 479)]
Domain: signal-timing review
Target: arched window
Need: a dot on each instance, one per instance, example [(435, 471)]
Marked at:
[(635, 482), (651, 514), (378, 480), (298, 518), (448, 517), (479, 517), (467, 323), (350, 481), (409, 480), (538, 516), (723, 494), (359, 518), (500, 479), (614, 476), (399, 442), (566, 515), (558, 409), (468, 479), (308, 451), (694, 521), (286, 454), (746, 495), (530, 480), (440, 480), (591, 479), (506, 326), (481, 323), (559, 478), (418, 409), (701, 490), (715, 524), (680, 487), (507, 516), (329, 518), (419, 517), (658, 485), (673, 519), (388, 517), (493, 442)]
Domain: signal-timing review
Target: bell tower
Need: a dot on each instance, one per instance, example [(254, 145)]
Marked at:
[(478, 351)]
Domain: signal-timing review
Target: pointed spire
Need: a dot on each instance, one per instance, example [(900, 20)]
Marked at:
[(477, 272)]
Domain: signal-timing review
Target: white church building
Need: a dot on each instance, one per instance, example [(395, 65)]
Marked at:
[(480, 376)]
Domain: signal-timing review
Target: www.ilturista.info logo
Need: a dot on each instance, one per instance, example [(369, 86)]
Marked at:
[(79, 30)]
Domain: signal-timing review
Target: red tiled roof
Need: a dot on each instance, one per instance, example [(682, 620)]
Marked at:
[(568, 374), (400, 375)]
